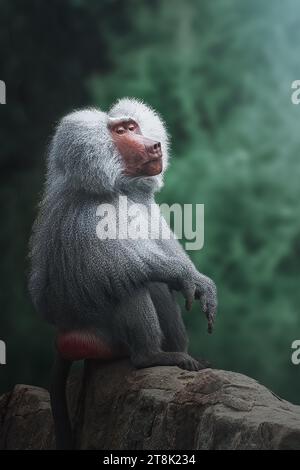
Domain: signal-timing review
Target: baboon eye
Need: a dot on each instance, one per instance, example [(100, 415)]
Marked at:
[(131, 127), (120, 130)]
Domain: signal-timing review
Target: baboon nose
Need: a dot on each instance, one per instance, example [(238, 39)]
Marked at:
[(154, 148)]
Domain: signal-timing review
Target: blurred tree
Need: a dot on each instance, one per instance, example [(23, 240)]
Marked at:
[(220, 75)]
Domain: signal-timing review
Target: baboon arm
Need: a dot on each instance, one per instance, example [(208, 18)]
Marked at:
[(204, 288), (125, 266)]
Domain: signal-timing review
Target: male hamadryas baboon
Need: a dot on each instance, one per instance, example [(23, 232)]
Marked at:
[(109, 297)]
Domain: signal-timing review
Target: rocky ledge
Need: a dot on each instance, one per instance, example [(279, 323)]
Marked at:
[(114, 406)]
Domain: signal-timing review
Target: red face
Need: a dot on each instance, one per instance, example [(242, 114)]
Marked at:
[(141, 156)]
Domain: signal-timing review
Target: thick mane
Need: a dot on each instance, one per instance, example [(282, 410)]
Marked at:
[(83, 156)]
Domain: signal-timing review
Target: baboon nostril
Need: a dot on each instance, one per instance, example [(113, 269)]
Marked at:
[(153, 147)]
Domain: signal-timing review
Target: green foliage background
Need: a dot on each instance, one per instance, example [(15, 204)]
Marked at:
[(220, 74)]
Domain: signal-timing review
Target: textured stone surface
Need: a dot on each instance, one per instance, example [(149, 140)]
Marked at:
[(118, 407), (25, 419), (168, 408)]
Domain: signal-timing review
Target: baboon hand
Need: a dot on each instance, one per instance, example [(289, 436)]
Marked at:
[(188, 290), (206, 292), (184, 282), (194, 285)]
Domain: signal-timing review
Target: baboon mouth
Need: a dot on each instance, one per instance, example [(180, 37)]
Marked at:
[(153, 167), (154, 159)]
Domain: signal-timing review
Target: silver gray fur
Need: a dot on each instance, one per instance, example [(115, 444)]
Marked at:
[(122, 288)]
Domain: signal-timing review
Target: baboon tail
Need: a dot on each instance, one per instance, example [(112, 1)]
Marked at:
[(59, 405)]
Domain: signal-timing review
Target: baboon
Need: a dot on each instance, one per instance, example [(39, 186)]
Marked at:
[(109, 298)]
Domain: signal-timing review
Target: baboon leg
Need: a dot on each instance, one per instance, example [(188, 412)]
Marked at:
[(137, 326)]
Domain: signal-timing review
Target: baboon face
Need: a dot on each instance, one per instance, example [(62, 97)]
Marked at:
[(141, 155)]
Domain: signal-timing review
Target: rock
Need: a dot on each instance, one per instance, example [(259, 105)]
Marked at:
[(160, 408), (168, 408), (26, 419)]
